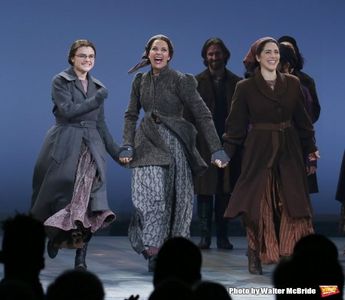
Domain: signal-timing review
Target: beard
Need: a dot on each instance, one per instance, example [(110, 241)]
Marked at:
[(216, 65)]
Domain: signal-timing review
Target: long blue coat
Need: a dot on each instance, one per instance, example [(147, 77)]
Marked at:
[(79, 117)]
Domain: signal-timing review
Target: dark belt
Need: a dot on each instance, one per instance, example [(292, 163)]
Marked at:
[(272, 126), (81, 124), (275, 128)]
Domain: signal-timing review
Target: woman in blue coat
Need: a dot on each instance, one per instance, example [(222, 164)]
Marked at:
[(69, 182)]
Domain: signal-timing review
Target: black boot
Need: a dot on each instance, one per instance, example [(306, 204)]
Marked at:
[(254, 262), (80, 254), (52, 249), (152, 263), (222, 223), (205, 207)]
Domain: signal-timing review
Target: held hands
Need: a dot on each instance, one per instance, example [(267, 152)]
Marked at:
[(220, 158), (126, 154)]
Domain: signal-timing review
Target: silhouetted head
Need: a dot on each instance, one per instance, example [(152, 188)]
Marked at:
[(208, 290), (23, 244), (171, 289), (315, 247), (16, 290), (76, 285), (314, 263), (178, 258)]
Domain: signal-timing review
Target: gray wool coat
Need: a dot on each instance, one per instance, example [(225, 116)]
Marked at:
[(166, 96), (79, 117)]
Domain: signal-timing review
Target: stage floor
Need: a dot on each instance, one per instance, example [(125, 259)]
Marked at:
[(124, 272)]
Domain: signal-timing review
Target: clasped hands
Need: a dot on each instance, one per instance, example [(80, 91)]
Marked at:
[(220, 159), (126, 154)]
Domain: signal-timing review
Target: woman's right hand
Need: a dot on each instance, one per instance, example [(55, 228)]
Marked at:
[(126, 154), (125, 160)]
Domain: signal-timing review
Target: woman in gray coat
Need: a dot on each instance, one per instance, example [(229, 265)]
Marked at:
[(69, 182), (161, 150)]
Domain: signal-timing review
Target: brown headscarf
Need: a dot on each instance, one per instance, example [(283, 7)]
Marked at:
[(249, 60), (145, 57)]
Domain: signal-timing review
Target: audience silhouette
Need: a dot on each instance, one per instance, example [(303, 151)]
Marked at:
[(76, 285), (22, 254), (313, 265), (17, 290), (172, 289), (178, 258), (208, 290)]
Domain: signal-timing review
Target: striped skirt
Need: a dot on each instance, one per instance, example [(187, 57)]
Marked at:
[(277, 233)]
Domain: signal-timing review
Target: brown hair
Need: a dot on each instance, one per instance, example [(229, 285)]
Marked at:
[(215, 41), (76, 45)]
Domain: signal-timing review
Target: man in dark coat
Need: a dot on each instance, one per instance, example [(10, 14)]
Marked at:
[(216, 86)]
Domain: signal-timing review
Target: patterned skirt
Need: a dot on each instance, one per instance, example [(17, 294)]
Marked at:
[(162, 197), (73, 225)]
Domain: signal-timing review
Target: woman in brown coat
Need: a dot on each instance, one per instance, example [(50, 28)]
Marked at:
[(269, 119)]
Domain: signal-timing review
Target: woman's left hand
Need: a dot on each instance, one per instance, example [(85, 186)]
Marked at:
[(314, 156), (219, 163), (220, 158)]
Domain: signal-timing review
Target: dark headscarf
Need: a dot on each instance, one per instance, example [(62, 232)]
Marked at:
[(249, 60), (145, 57)]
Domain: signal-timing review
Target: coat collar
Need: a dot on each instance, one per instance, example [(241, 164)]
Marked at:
[(162, 73), (70, 75), (279, 89)]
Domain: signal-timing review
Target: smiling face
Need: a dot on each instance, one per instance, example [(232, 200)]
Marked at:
[(159, 55), (83, 60), (215, 58), (269, 57)]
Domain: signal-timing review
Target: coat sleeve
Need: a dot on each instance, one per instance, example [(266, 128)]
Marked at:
[(236, 124), (316, 108), (303, 124), (110, 145), (63, 99), (187, 90), (132, 112)]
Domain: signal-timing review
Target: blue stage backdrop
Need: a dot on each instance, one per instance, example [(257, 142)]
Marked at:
[(36, 35)]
